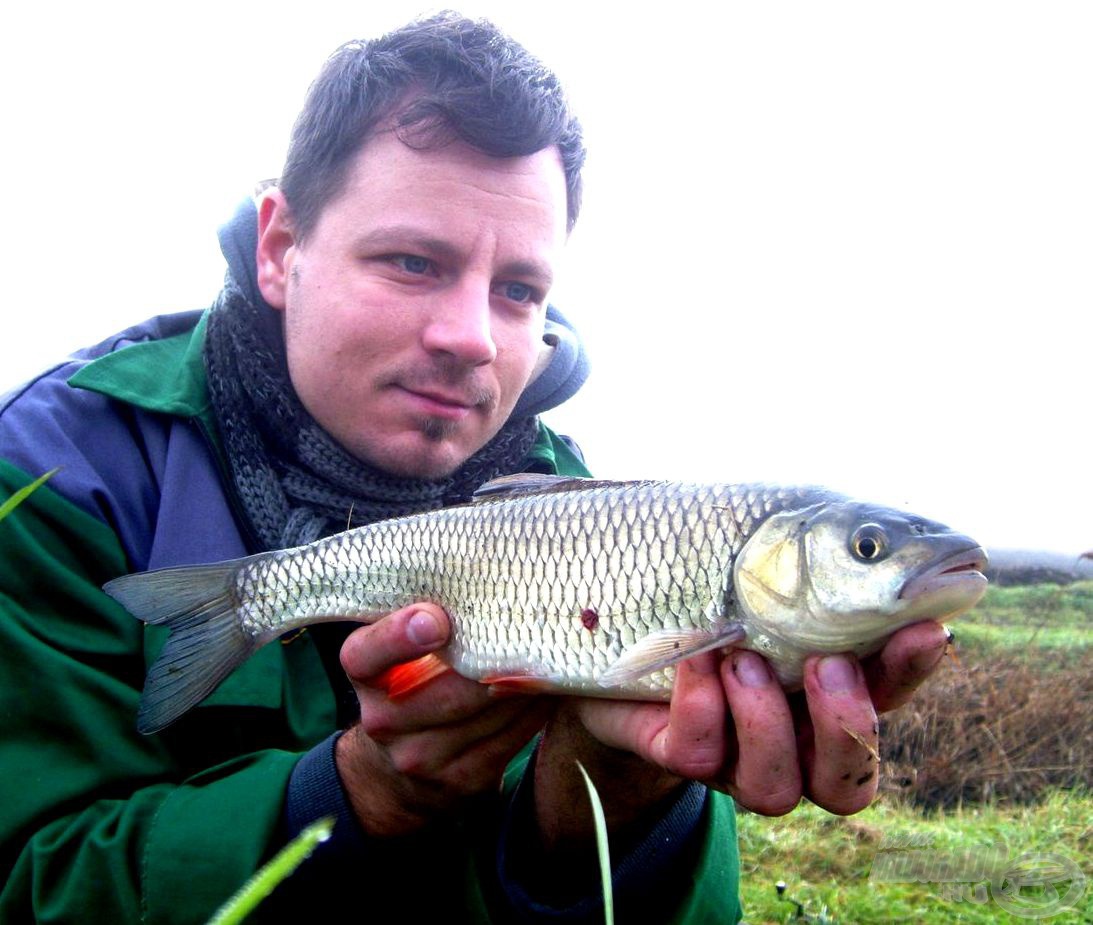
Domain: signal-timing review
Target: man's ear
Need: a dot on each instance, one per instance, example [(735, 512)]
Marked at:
[(276, 246)]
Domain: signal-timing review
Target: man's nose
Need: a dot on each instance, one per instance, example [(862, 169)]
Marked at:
[(459, 325)]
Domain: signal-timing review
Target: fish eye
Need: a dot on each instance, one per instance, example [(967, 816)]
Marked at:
[(869, 543)]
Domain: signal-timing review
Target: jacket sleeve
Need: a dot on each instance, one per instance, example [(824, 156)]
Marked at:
[(108, 825)]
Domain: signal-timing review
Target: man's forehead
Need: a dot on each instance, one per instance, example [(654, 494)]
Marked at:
[(390, 149), (398, 190)]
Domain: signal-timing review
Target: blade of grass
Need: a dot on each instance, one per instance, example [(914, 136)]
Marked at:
[(21, 495), (266, 879), (601, 847)]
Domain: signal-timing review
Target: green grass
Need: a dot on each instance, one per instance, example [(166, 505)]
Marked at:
[(1041, 620), (11, 503), (602, 848), (1054, 605), (1036, 641), (825, 860), (270, 875), (1071, 603)]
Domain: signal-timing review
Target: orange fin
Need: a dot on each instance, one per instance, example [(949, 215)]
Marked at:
[(409, 676), (518, 684)]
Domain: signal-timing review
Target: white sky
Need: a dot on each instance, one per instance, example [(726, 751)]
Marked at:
[(845, 243)]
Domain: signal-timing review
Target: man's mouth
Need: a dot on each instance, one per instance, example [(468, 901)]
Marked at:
[(437, 403)]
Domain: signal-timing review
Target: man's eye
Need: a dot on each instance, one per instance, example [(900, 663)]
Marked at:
[(519, 292), (411, 263)]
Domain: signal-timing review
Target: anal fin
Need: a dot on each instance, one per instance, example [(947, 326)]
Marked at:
[(519, 684)]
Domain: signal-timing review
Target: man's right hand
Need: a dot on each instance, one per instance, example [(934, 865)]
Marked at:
[(416, 757)]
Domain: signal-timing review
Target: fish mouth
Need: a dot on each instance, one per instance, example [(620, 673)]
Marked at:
[(952, 585)]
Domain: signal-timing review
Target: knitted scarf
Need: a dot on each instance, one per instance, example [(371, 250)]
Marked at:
[(295, 482)]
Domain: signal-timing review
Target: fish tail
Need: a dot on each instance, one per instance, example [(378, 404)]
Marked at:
[(206, 642)]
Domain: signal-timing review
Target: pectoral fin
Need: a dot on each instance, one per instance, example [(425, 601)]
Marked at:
[(409, 676), (667, 647)]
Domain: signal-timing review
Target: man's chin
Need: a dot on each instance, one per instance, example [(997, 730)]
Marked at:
[(429, 453), (438, 430)]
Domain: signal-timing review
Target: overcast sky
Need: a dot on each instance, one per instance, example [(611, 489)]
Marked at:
[(839, 243)]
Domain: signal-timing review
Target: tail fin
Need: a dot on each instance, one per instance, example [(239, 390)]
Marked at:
[(207, 641)]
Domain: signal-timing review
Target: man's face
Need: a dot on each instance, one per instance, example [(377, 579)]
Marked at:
[(413, 311)]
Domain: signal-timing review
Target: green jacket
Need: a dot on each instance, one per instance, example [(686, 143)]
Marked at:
[(101, 824)]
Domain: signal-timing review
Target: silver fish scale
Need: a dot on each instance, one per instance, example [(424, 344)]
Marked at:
[(553, 585)]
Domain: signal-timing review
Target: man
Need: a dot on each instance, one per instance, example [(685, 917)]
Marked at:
[(382, 346)]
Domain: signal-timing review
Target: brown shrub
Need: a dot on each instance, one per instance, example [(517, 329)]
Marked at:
[(1000, 730)]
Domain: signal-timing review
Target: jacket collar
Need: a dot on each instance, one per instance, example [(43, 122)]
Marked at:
[(165, 375)]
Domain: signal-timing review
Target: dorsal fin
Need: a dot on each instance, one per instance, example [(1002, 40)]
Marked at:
[(529, 483)]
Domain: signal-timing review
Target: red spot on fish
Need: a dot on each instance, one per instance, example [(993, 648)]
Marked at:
[(589, 618)]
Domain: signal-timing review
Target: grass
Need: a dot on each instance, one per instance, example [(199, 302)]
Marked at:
[(1041, 621), (825, 860), (270, 875), (1068, 604), (602, 848), (11, 503), (1001, 743)]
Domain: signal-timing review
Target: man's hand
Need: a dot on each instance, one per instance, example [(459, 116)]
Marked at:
[(732, 726), (418, 756)]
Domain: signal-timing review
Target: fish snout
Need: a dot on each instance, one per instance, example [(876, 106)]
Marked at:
[(952, 584)]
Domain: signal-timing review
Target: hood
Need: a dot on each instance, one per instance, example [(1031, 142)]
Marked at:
[(563, 363)]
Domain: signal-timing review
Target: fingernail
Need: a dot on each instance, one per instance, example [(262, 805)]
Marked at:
[(424, 629), (836, 674), (751, 670), (704, 664)]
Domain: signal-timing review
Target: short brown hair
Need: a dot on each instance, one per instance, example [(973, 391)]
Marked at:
[(454, 78)]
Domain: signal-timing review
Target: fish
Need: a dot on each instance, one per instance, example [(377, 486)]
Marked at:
[(576, 586)]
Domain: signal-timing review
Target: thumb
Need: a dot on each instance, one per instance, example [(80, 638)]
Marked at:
[(399, 637)]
